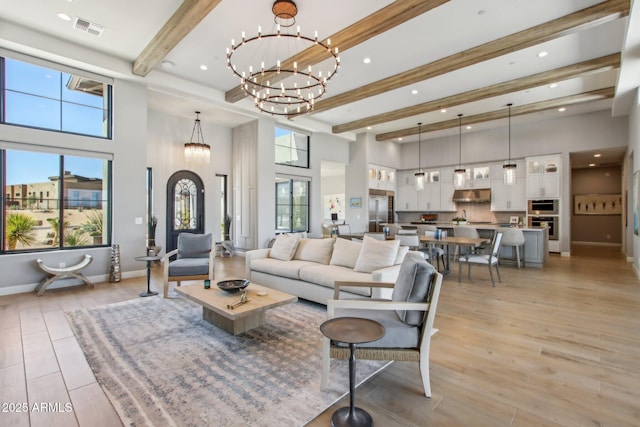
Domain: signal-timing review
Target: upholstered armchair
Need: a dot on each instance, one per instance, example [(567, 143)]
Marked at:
[(195, 260), (408, 318)]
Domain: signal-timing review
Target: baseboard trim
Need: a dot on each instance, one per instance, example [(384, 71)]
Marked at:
[(629, 259), (578, 243), (635, 270), (567, 254)]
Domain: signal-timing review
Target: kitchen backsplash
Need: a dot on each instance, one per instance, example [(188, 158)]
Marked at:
[(475, 212)]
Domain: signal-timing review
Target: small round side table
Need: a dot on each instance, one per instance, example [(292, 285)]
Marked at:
[(352, 331), (149, 259)]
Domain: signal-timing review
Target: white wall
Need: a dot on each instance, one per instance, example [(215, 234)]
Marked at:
[(167, 135), (634, 146)]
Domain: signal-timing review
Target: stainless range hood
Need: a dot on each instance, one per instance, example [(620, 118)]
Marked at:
[(480, 195)]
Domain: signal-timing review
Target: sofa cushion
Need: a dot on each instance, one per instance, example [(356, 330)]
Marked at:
[(413, 285), (376, 254), (194, 245), (397, 334), (315, 250), (326, 275), (290, 269), (284, 247), (345, 253)]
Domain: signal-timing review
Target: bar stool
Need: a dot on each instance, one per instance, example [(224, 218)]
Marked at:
[(514, 237)]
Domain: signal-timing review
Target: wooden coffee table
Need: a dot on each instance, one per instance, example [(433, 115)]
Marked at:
[(214, 303)]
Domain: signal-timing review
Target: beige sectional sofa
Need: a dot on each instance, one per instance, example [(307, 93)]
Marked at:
[(308, 268)]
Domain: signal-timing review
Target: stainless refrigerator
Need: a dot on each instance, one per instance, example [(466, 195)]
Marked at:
[(378, 212)]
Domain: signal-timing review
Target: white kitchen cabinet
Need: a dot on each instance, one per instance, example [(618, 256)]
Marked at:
[(446, 190), (543, 177), (406, 198), (477, 177), (382, 178), (429, 197), (508, 197)]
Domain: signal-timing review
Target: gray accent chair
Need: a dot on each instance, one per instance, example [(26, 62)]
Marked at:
[(195, 260), (408, 318)]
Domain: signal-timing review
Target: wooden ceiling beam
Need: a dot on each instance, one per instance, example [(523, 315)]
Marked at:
[(397, 13), (547, 77), (536, 107), (530, 37), (184, 19)]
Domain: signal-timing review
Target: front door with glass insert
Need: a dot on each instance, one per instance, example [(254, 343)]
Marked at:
[(185, 206)]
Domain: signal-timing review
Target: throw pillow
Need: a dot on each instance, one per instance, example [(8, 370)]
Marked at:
[(413, 285), (402, 252), (314, 250), (376, 254), (345, 253), (284, 247)]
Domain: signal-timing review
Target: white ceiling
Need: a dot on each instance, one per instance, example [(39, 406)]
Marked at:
[(450, 28)]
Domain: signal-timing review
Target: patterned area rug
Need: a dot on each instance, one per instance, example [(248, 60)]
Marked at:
[(160, 363)]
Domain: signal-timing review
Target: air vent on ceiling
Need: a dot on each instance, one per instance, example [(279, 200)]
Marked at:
[(88, 27)]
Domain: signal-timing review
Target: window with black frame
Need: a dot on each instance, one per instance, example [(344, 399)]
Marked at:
[(40, 97), (292, 148), (54, 202), (292, 205)]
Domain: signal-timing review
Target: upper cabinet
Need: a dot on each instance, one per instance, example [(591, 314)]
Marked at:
[(382, 178), (543, 177), (407, 195), (436, 196), (508, 197), (477, 177)]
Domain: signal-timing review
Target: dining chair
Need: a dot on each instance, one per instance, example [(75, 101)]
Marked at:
[(436, 253), (413, 242), (464, 231), (514, 237), (408, 318), (489, 259), (377, 236)]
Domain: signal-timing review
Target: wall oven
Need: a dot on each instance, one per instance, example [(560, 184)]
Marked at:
[(549, 221), (543, 207)]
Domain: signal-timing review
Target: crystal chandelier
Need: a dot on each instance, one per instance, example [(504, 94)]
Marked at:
[(509, 168), (419, 175), (197, 150), (277, 85), (459, 174)]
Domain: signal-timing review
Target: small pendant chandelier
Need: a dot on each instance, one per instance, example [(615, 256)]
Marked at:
[(196, 150), (460, 173), (509, 168), (419, 175)]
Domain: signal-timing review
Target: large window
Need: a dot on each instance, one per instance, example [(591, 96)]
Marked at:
[(53, 202), (292, 205), (292, 148), (39, 97)]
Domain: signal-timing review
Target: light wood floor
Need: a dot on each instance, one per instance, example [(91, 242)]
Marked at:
[(558, 346)]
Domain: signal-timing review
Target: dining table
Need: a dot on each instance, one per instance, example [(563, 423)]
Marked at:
[(449, 241)]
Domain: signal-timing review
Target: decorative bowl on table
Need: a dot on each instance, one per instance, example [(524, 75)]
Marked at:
[(233, 286)]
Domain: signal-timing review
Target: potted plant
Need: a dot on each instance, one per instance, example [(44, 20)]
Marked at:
[(19, 230), (459, 220)]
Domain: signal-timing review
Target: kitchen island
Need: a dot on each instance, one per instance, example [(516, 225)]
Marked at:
[(536, 248)]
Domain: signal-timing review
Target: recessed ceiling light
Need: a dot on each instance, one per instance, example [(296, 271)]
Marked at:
[(367, 60), (468, 126), (167, 64), (592, 165), (543, 54), (368, 127), (552, 85), (204, 67), (444, 110), (597, 155), (414, 92), (562, 109), (399, 139), (64, 16)]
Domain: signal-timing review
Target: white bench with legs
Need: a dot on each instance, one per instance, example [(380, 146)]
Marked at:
[(56, 273)]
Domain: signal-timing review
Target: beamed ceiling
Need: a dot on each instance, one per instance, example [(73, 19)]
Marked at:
[(430, 60)]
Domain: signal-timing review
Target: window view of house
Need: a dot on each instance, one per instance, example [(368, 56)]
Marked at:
[(292, 205)]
